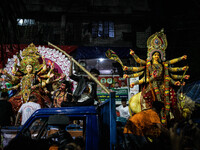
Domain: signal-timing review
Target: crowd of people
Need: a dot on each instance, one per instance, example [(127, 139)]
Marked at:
[(144, 130)]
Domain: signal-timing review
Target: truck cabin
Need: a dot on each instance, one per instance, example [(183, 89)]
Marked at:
[(94, 125), (79, 122)]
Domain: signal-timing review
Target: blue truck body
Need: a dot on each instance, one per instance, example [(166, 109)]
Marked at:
[(100, 123)]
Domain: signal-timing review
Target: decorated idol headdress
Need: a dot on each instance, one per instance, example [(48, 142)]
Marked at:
[(157, 43), (30, 57)]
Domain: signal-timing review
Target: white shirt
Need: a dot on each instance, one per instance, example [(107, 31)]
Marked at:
[(123, 111), (27, 109)]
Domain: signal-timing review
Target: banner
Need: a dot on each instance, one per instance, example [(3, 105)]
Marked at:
[(113, 81), (120, 93), (116, 84)]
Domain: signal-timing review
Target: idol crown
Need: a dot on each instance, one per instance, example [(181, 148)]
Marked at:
[(30, 57), (157, 43), (30, 51)]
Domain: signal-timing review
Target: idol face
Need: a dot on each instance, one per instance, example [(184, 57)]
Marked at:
[(29, 68), (156, 56)]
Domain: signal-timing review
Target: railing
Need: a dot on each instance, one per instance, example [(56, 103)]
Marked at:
[(107, 118)]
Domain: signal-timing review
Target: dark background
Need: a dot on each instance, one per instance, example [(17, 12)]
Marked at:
[(180, 20)]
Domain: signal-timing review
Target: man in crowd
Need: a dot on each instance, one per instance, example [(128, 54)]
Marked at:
[(123, 109), (6, 115), (27, 109), (143, 124), (63, 94), (62, 136)]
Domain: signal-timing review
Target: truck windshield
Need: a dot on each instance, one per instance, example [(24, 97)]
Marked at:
[(36, 127), (40, 129)]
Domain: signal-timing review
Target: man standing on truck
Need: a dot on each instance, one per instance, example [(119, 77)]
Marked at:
[(86, 90), (63, 94), (27, 109)]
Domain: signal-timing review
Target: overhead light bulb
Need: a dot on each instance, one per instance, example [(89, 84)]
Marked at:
[(101, 59)]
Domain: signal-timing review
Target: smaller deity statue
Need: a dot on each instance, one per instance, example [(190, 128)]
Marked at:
[(26, 79)]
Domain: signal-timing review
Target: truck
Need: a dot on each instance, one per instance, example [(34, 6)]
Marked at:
[(95, 124)]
